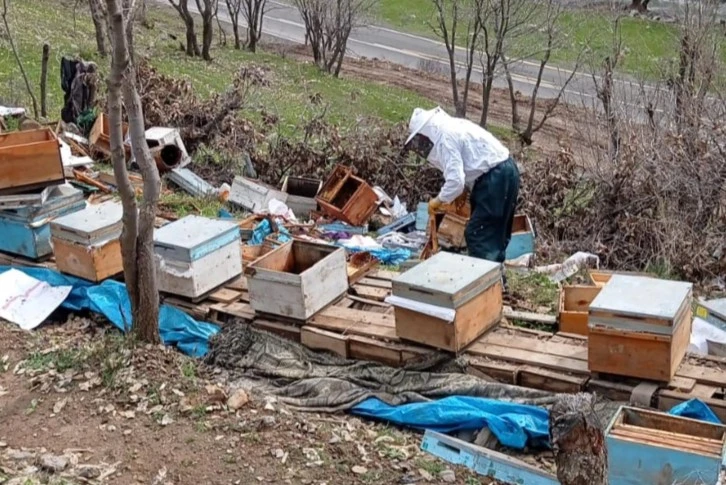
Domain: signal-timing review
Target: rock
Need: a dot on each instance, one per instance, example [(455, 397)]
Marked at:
[(238, 399), (359, 470), (111, 428), (88, 472), (216, 394), (269, 407), (448, 476), (53, 463), (3, 444), (127, 414), (425, 475), (19, 455), (166, 420), (268, 421), (335, 439), (59, 405)]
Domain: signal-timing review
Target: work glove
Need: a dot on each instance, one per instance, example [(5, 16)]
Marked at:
[(434, 205)]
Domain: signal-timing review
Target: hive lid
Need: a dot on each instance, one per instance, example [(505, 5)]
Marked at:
[(59, 198), (90, 225), (193, 237), (446, 279), (642, 297)]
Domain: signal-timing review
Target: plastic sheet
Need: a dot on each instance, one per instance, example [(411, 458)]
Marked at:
[(695, 409), (263, 229), (514, 425), (111, 300)]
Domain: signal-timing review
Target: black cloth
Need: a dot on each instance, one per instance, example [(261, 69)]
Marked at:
[(68, 69), (493, 202)]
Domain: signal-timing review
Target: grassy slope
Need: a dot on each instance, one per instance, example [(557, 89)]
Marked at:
[(36, 21), (648, 45)]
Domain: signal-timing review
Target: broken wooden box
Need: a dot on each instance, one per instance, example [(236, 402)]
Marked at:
[(639, 327), (29, 160), (86, 243), (301, 194), (297, 280), (253, 195), (195, 255), (574, 308), (26, 231), (651, 447), (99, 139), (346, 197), (447, 301)]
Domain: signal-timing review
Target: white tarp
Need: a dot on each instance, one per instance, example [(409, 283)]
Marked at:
[(27, 302)]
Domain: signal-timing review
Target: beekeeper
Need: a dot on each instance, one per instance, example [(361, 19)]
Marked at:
[(470, 157)]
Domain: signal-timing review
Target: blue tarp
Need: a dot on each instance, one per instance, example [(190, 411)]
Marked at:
[(111, 300), (263, 229), (514, 425), (695, 409), (392, 257)]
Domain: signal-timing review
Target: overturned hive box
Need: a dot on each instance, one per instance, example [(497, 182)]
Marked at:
[(346, 197), (297, 279), (301, 194), (195, 255), (522, 241), (26, 231), (253, 195), (647, 447), (86, 243), (99, 139), (29, 160), (639, 327), (447, 301)]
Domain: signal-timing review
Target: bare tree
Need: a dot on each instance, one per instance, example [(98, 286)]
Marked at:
[(208, 10), (14, 48), (503, 23), (98, 14), (137, 237), (234, 7), (552, 12), (604, 89), (254, 13), (328, 24), (192, 46), (459, 22)]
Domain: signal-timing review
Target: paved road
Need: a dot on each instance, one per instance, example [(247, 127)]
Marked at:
[(284, 22)]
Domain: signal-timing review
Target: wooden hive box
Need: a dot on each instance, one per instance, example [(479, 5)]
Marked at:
[(347, 197), (29, 160), (523, 237), (301, 194), (86, 243), (195, 255), (254, 195), (574, 308), (712, 311), (447, 301), (26, 231), (640, 327), (648, 447), (451, 231), (297, 280), (99, 139)]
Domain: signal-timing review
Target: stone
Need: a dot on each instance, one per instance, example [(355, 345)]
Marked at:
[(88, 472), (359, 470), (425, 475), (269, 421), (59, 405), (53, 463), (237, 400), (448, 476)]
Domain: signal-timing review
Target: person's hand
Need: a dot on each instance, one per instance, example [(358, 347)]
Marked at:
[(434, 205)]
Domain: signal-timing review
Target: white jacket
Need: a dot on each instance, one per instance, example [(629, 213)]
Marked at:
[(462, 150)]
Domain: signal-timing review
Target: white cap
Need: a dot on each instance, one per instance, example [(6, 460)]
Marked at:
[(419, 119)]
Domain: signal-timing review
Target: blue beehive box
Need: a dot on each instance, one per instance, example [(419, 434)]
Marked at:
[(26, 231), (647, 447)]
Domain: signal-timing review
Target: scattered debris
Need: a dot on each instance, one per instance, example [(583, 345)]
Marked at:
[(26, 301), (237, 399)]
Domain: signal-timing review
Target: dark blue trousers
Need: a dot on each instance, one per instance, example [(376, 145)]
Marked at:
[(493, 202)]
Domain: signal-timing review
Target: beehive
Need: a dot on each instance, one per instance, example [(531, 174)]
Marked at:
[(29, 160), (301, 194), (195, 255), (347, 197), (448, 300), (639, 327), (86, 243), (297, 279)]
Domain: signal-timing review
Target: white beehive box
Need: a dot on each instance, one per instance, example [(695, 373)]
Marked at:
[(195, 255), (298, 279), (254, 195)]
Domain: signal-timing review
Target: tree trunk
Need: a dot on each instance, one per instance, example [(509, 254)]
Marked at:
[(578, 441), (98, 14), (44, 80), (207, 37), (639, 5), (138, 228)]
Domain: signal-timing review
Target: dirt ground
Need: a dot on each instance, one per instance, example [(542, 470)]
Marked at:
[(81, 404)]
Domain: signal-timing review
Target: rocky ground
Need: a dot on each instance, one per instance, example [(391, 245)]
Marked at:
[(79, 403)]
